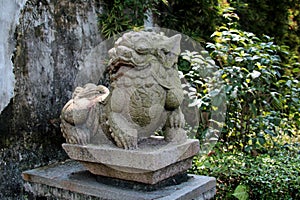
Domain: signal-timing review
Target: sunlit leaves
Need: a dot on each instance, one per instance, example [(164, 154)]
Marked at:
[(205, 90), (258, 90), (241, 192)]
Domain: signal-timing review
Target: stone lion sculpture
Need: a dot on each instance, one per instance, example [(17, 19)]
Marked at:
[(145, 95)]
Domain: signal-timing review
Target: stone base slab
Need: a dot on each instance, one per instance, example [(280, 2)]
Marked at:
[(153, 162), (70, 180)]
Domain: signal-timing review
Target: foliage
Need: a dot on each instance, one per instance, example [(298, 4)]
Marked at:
[(241, 192), (199, 18), (256, 117), (243, 176), (118, 16), (284, 23), (196, 18), (263, 101), (205, 90), (263, 113)]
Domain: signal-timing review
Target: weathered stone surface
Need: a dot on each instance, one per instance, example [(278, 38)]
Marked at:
[(146, 94), (84, 110), (69, 180), (146, 91), (148, 164), (52, 41)]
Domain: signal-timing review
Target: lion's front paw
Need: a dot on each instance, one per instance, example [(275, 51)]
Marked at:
[(126, 140), (176, 119), (174, 127)]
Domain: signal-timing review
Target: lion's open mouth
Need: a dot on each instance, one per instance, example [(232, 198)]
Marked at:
[(118, 64), (118, 68)]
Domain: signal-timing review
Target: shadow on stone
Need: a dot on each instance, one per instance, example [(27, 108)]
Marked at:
[(175, 180)]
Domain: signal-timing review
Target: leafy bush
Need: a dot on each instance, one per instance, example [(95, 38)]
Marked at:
[(243, 176), (263, 99), (263, 112)]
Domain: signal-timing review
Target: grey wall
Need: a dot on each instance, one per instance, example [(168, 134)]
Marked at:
[(43, 46)]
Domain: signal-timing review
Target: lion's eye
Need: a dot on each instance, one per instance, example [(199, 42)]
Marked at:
[(142, 46), (166, 51), (142, 50)]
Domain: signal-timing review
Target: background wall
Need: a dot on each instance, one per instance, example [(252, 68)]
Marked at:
[(43, 46)]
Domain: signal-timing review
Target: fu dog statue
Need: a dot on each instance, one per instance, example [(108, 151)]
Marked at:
[(145, 95)]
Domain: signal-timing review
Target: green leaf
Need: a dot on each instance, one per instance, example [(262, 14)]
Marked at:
[(216, 33), (255, 74), (296, 70), (241, 192), (165, 2), (239, 59), (253, 108), (269, 132), (261, 140), (289, 83), (255, 57)]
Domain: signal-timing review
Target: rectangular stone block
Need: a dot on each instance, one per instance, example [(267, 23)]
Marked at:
[(70, 180)]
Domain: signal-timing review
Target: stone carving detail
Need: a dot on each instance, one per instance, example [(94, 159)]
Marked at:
[(81, 117), (145, 95)]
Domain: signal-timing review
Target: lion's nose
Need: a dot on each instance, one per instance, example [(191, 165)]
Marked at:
[(112, 53)]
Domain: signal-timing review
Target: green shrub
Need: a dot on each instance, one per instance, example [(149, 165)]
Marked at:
[(262, 117), (260, 177), (263, 97)]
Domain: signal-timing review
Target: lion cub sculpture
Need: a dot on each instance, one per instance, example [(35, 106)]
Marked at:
[(145, 95)]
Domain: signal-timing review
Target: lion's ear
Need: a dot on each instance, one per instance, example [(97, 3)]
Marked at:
[(170, 45), (174, 43)]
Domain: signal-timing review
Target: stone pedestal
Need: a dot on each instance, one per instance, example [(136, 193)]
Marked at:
[(70, 180), (154, 161)]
